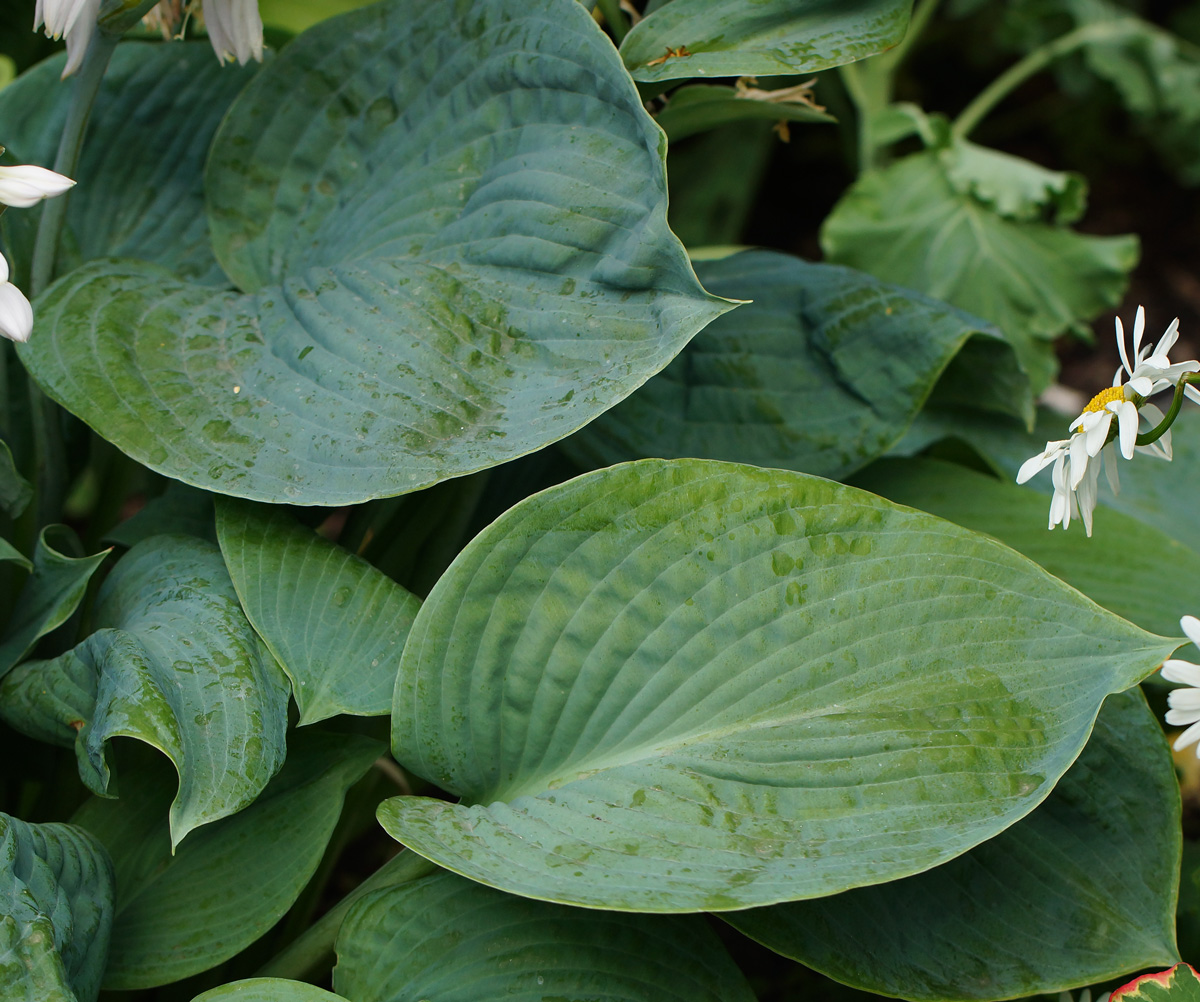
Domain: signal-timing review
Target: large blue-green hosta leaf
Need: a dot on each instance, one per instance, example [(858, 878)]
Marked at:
[(56, 910), (449, 939), (447, 222), (724, 38), (1080, 891), (673, 686), (268, 990), (173, 663)]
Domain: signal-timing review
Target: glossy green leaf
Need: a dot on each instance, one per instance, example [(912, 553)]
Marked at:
[(179, 509), (11, 555), (15, 492), (167, 99), (448, 223), (1080, 891), (50, 595), (173, 663), (56, 889), (1179, 984), (334, 623), (674, 686), (177, 915), (449, 939), (1013, 187), (700, 107), (908, 224), (297, 15), (1155, 581), (268, 990), (822, 372), (729, 38)]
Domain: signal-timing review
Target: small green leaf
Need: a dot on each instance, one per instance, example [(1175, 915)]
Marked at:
[(447, 222), (173, 663), (821, 373), (909, 225), (689, 685), (1080, 891), (334, 623), (15, 492), (1179, 984), (182, 913), (11, 555), (702, 106), (447, 938), (56, 910), (729, 38), (50, 595), (268, 990), (1013, 187)]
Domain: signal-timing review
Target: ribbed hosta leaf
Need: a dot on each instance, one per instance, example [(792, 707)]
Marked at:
[(1080, 891), (449, 939), (448, 225), (673, 686), (56, 909), (335, 623), (173, 663), (728, 38), (823, 371), (268, 990), (141, 174)]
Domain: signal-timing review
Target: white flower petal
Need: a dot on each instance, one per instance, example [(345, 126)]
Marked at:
[(1096, 431), (1121, 345), (1139, 328), (1110, 469), (1190, 736), (16, 315), (1127, 415), (1191, 629), (235, 29), (26, 185), (1184, 672)]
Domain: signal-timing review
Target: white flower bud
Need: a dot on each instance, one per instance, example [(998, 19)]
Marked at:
[(16, 315), (26, 185), (235, 29)]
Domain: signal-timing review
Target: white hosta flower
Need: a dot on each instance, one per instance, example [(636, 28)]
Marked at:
[(1185, 703), (74, 20), (16, 315), (25, 185), (235, 29)]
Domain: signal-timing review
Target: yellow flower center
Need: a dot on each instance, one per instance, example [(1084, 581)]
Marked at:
[(1104, 397)]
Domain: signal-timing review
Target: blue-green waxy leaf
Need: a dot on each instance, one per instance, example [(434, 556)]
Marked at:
[(173, 663), (50, 595), (911, 225), (140, 190), (447, 222), (268, 990), (729, 38), (1080, 891), (449, 939), (674, 686), (334, 623), (56, 910), (822, 372), (181, 913)]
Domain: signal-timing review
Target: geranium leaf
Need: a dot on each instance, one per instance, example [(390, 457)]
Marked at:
[(689, 685), (1179, 984)]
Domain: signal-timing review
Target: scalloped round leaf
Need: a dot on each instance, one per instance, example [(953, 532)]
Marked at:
[(821, 372), (140, 191), (1080, 891), (730, 38), (268, 990), (907, 224), (56, 903), (181, 913), (448, 223), (334, 623), (174, 663), (447, 938), (690, 685)]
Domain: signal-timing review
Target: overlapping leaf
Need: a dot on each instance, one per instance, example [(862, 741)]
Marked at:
[(173, 663), (268, 990), (141, 176), (1080, 891), (702, 107), (56, 910), (15, 491), (673, 686), (821, 373), (448, 223), (909, 224), (727, 38), (335, 623), (182, 913), (447, 938), (1179, 984)]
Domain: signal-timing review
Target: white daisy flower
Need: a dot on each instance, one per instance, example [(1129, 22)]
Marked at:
[(1185, 703), (16, 315), (73, 19), (1152, 365), (25, 185)]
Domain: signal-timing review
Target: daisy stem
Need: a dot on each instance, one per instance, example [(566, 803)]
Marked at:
[(1157, 432), (50, 466), (1035, 62)]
